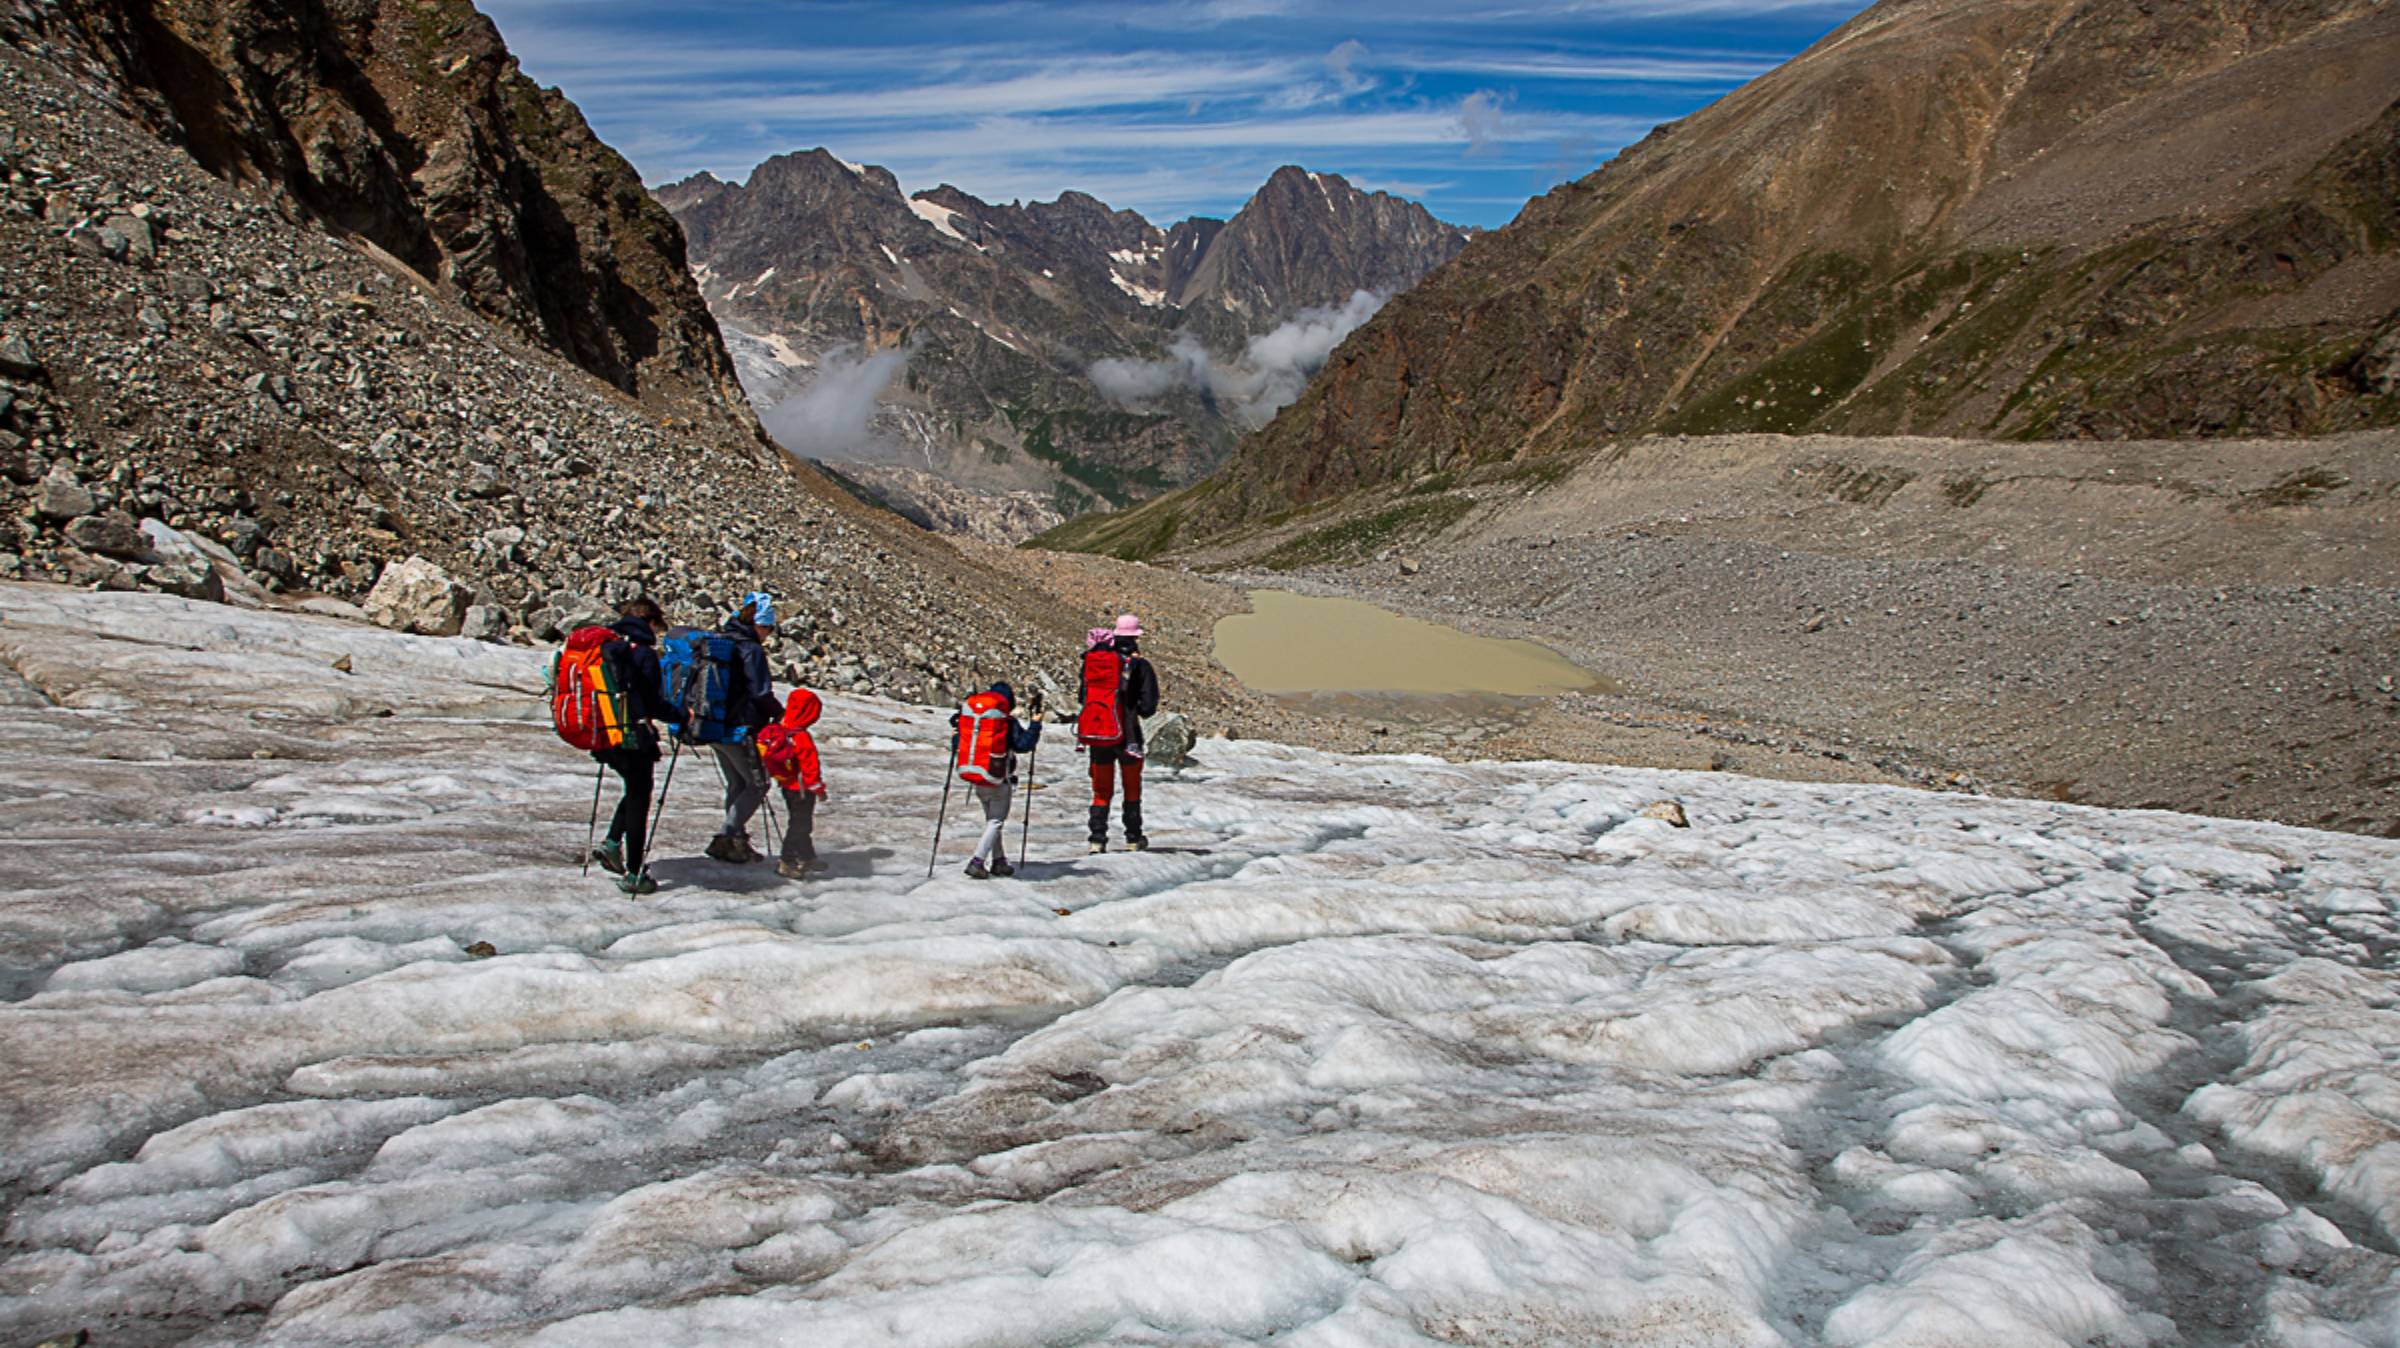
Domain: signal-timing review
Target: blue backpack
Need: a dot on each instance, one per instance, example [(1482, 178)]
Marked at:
[(698, 670)]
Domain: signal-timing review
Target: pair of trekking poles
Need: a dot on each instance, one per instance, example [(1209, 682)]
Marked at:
[(658, 811)]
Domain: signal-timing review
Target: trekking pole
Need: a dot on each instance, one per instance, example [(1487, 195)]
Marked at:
[(947, 777), (1033, 758), (592, 835), (658, 810)]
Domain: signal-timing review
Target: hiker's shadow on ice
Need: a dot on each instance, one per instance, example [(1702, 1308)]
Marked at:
[(1052, 870), (759, 877), (855, 865)]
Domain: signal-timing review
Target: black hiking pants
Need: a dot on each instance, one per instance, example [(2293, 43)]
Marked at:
[(631, 822)]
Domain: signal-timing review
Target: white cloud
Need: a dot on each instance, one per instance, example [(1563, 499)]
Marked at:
[(1343, 62), (1479, 119), (828, 419), (1270, 375)]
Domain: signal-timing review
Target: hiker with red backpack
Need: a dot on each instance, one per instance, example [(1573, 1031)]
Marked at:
[(1118, 689), (606, 698), (985, 739), (789, 754), (749, 705)]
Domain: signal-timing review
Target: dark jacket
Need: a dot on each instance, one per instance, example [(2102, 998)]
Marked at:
[(637, 647), (1138, 699), (752, 702)]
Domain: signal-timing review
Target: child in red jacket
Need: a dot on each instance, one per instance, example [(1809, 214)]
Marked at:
[(790, 755)]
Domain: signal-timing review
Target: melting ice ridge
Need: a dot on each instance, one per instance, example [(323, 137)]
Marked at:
[(1371, 1051)]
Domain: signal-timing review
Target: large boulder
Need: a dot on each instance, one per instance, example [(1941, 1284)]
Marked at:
[(1167, 740), (418, 596), (484, 622), (566, 613), (63, 498), (111, 535)]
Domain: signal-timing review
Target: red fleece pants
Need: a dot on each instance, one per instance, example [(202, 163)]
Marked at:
[(1105, 771)]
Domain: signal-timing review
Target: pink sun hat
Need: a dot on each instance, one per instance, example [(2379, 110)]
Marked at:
[(1127, 626)]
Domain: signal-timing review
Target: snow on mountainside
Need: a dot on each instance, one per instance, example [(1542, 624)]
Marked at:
[(1057, 347), (1371, 1050)]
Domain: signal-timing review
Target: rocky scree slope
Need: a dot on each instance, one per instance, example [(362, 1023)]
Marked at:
[(176, 352), (406, 124), (1005, 309), (2008, 218)]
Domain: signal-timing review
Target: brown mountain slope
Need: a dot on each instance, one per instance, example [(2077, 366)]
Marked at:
[(406, 123), (2013, 218)]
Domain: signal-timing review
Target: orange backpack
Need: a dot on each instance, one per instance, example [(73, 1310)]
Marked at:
[(983, 740), (587, 693)]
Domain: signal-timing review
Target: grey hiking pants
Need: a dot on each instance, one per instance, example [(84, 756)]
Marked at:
[(745, 785), (995, 821), (800, 808)]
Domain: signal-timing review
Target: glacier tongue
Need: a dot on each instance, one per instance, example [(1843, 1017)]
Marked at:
[(1370, 1050)]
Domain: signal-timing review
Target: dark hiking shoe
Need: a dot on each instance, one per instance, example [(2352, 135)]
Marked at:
[(638, 884), (611, 856), (726, 847), (1137, 844), (975, 871), (1003, 868)]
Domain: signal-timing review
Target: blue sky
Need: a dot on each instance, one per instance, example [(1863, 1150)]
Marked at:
[(1174, 108)]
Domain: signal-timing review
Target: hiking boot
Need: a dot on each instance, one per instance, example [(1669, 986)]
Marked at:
[(793, 870), (1098, 848), (611, 856), (975, 870), (637, 884), (1137, 844), (1002, 868), (749, 853), (726, 847)]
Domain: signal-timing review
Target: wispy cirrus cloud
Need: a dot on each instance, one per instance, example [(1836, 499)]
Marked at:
[(1166, 106)]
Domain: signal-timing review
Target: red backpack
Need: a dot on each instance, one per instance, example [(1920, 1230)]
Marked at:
[(587, 692), (983, 740), (1102, 721)]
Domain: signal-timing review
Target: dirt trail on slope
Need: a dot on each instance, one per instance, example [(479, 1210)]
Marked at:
[(2208, 627)]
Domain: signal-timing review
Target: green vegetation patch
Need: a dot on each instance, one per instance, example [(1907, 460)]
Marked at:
[(1364, 535)]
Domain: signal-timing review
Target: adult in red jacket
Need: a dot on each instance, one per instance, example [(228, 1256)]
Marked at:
[(1137, 697), (789, 753)]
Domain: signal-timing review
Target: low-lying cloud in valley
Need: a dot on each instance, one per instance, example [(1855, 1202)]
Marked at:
[(1274, 367), (828, 419)]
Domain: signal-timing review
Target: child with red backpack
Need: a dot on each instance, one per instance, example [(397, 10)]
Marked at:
[(1118, 689), (986, 739), (789, 754)]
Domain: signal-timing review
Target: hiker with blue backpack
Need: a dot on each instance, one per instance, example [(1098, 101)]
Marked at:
[(748, 704)]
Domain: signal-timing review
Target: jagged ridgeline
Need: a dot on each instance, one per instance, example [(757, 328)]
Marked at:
[(2025, 219), (1041, 358), (325, 286)]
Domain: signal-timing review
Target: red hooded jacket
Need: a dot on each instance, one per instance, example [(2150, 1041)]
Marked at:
[(794, 766)]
